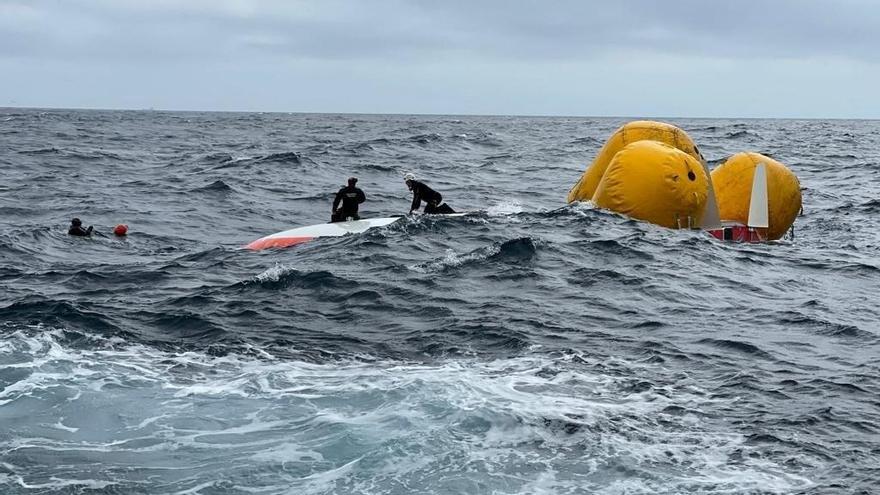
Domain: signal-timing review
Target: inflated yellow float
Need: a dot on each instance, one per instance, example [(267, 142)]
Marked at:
[(732, 182), (630, 133), (654, 182)]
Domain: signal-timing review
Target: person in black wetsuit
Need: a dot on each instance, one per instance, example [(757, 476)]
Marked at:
[(351, 197), (77, 229), (421, 192)]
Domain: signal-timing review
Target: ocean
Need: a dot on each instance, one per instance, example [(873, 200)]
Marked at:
[(529, 347)]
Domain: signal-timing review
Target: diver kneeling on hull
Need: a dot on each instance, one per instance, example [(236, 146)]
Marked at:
[(351, 197), (421, 192)]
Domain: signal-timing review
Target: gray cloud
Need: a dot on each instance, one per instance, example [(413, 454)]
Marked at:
[(565, 29), (521, 53)]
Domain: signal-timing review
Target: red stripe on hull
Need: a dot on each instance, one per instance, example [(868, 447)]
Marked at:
[(277, 242), (740, 233)]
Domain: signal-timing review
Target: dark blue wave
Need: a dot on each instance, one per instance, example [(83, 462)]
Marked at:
[(768, 351)]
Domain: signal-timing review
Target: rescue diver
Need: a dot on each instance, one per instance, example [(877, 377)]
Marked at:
[(77, 229), (421, 192), (351, 197)]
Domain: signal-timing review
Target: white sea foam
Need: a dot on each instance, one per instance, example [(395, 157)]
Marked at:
[(60, 425), (272, 274), (505, 208), (55, 484), (532, 423), (451, 259)]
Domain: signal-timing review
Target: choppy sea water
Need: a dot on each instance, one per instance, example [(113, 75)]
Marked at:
[(527, 348)]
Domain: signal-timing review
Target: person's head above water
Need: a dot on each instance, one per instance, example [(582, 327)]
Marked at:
[(352, 181), (409, 177), (76, 222)]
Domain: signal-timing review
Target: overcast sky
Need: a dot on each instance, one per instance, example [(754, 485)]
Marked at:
[(632, 58)]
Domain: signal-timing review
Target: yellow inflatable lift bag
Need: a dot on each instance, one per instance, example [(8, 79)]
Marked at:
[(630, 133), (732, 182), (654, 182)]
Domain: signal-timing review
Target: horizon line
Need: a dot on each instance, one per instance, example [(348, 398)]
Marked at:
[(419, 114)]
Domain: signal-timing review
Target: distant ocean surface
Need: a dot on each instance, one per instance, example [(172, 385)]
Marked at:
[(531, 347)]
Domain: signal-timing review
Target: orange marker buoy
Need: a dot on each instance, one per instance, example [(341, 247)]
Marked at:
[(121, 230)]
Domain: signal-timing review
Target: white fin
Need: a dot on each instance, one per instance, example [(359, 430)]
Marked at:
[(711, 218), (758, 209)]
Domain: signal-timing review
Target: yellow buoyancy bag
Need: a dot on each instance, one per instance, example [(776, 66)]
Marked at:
[(654, 182), (629, 133), (733, 190)]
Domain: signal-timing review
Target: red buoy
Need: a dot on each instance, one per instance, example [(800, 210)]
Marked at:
[(121, 229)]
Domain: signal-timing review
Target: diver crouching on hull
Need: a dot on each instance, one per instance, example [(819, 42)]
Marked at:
[(351, 197), (421, 192)]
